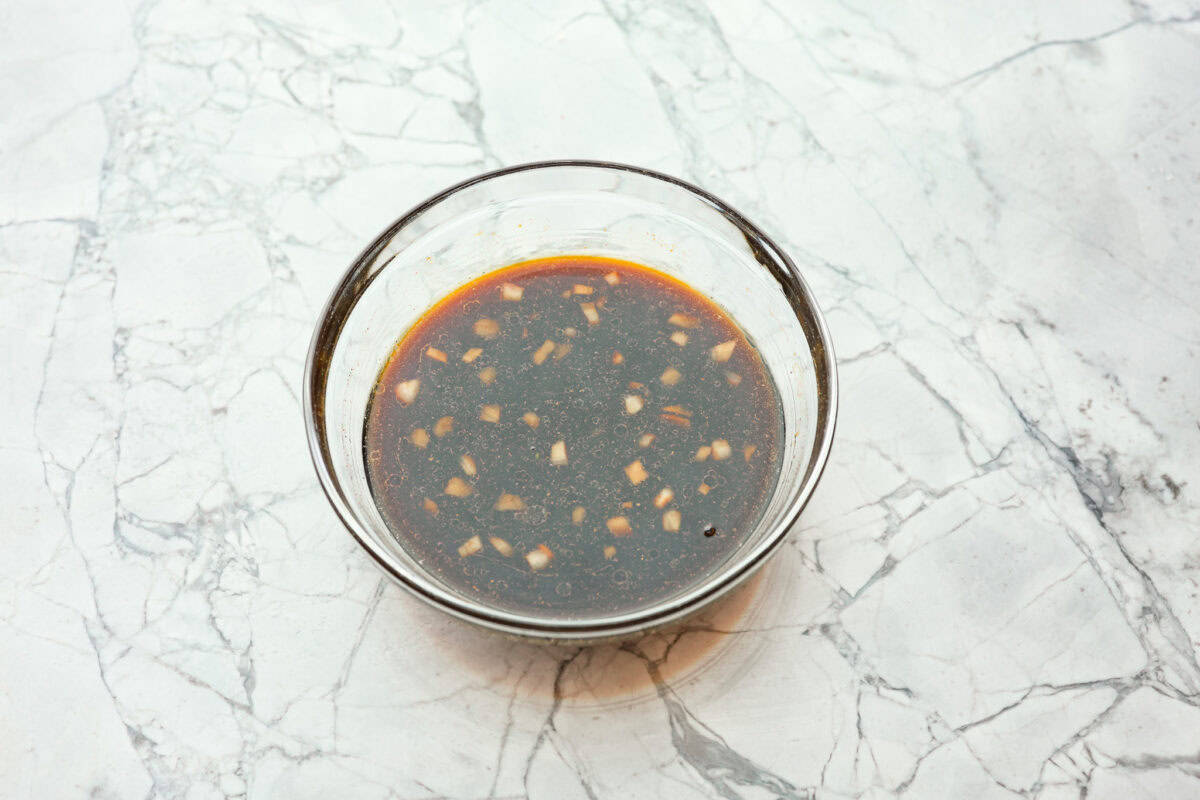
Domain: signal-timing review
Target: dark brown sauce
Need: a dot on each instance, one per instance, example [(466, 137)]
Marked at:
[(573, 435)]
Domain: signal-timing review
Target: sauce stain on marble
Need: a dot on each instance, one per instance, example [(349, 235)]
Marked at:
[(614, 674)]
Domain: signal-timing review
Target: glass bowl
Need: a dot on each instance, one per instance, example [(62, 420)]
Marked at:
[(557, 208)]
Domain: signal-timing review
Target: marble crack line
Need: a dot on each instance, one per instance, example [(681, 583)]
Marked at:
[(1153, 610), (360, 635), (549, 727), (1122, 686), (141, 744), (709, 755), (770, 90), (851, 652), (960, 422), (348, 663), (1051, 43), (1078, 736), (1148, 614), (508, 726), (1158, 762)]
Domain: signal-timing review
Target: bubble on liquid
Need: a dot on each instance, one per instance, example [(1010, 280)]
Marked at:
[(621, 577), (520, 477), (394, 480), (620, 430), (563, 589), (533, 515)]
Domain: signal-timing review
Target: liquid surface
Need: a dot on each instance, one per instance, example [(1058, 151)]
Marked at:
[(573, 435)]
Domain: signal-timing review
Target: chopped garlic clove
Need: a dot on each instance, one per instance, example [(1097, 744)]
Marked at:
[(723, 351), (509, 502), (671, 520), (472, 354), (665, 495), (435, 354), (636, 472), (468, 465), (457, 487), (510, 291), (680, 338), (502, 547), (419, 437), (618, 526), (490, 413), (682, 320), (430, 506), (720, 449), (531, 419), (578, 514), (539, 558), (610, 552), (443, 426), (633, 404), (487, 375), (486, 328), (589, 311), (543, 352), (670, 376), (582, 288), (406, 391), (558, 453), (646, 440), (702, 453), (470, 547), (617, 358)]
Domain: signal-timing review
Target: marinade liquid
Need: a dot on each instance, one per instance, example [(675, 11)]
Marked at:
[(573, 435)]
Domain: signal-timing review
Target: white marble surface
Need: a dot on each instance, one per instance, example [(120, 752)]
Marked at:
[(995, 592)]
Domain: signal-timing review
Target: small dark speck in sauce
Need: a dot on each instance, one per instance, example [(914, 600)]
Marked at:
[(565, 435)]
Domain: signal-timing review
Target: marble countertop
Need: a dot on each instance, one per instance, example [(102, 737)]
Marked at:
[(994, 593)]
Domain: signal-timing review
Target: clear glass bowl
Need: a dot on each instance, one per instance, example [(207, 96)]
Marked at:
[(555, 208)]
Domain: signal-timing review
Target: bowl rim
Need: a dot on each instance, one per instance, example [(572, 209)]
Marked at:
[(357, 278)]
